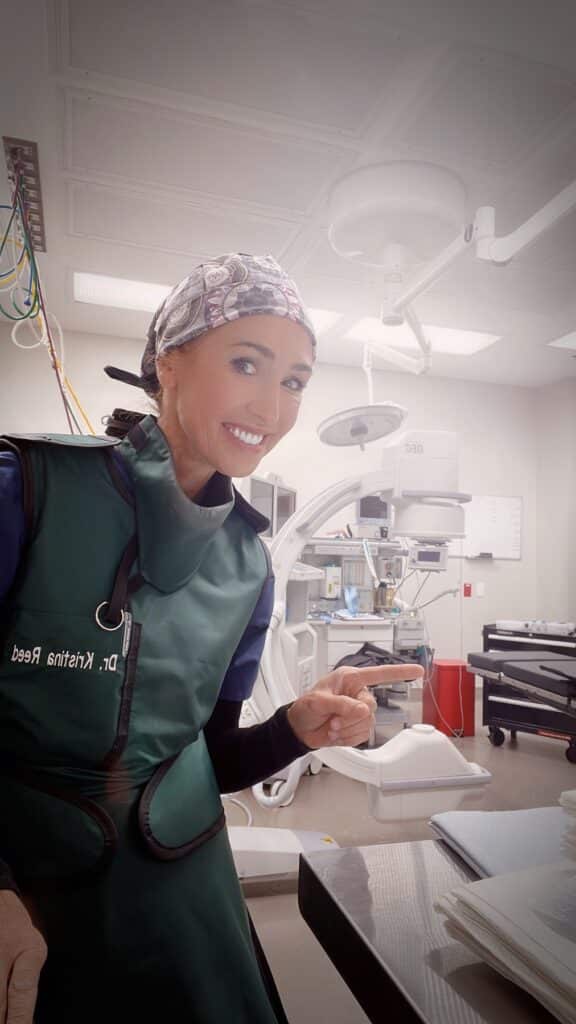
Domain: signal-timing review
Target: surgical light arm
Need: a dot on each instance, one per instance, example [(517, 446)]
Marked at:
[(481, 233)]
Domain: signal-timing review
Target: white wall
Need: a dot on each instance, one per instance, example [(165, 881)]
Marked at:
[(514, 441), (497, 433), (555, 417), (29, 396)]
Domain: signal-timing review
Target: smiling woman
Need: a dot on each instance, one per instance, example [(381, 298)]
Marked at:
[(136, 598), (230, 396), (229, 353)]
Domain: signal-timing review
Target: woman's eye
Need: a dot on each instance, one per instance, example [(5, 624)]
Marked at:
[(294, 384), (244, 366)]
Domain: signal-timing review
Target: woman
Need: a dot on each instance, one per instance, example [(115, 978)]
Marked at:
[(137, 595)]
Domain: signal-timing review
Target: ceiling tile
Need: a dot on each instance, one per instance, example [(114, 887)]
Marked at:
[(138, 142), (171, 226), (489, 108), (279, 60)]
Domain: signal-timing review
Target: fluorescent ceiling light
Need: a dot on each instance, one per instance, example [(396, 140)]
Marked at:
[(567, 341), (119, 292), (323, 319), (449, 340)]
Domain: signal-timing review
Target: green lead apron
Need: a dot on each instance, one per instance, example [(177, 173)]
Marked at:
[(115, 641)]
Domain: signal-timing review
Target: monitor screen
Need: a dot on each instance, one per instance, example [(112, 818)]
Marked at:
[(286, 506), (373, 509), (262, 498), (428, 556)]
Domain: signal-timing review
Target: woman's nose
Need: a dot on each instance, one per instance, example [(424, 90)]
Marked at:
[(266, 408)]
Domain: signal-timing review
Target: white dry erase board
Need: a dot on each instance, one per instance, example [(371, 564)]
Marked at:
[(493, 527)]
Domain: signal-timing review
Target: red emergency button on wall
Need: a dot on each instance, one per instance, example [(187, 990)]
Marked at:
[(467, 590)]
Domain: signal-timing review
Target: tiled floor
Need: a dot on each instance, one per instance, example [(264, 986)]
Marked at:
[(528, 773)]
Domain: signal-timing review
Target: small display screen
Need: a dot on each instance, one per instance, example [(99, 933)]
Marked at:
[(286, 507), (428, 556), (372, 507)]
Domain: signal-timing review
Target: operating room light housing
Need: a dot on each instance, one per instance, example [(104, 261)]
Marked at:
[(396, 213)]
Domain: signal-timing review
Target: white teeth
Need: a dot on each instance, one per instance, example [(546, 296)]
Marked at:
[(243, 435)]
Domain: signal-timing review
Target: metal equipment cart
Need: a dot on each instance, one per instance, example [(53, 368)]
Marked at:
[(503, 707)]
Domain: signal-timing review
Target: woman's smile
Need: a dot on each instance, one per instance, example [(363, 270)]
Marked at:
[(244, 436)]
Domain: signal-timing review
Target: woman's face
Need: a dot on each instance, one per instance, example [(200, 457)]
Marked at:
[(230, 395)]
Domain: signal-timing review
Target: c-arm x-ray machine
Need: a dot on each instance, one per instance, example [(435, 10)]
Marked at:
[(419, 478)]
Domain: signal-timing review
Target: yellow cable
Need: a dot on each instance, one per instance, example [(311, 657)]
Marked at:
[(79, 405), (11, 278)]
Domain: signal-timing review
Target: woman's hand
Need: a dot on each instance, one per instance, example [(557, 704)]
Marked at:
[(339, 710), (22, 956)]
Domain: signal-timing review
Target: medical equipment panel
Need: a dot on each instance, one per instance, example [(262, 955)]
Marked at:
[(372, 516), (429, 557), (273, 499)]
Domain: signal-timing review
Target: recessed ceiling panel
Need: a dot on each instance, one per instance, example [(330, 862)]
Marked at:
[(537, 183), (503, 291), (489, 108), (556, 248), (538, 31), (140, 220), (138, 142), (275, 59)]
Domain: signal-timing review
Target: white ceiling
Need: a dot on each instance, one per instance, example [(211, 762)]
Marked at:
[(173, 131)]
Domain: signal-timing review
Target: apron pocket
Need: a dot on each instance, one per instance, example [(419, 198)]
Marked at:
[(50, 833), (180, 808)]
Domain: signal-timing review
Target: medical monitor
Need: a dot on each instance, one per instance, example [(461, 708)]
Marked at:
[(274, 500), (262, 498), (372, 511), (285, 506)]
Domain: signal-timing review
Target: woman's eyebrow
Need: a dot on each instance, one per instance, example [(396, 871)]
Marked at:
[(269, 354)]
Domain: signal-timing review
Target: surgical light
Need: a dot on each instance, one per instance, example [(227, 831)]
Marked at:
[(361, 425), (399, 217), (396, 213)]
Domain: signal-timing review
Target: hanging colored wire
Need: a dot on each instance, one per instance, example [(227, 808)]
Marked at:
[(22, 281), (22, 264)]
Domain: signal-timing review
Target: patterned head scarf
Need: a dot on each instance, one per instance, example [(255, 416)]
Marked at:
[(223, 289)]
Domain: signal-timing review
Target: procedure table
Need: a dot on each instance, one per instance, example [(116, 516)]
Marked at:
[(372, 910)]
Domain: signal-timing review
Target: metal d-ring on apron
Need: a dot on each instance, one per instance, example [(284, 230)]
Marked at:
[(113, 617)]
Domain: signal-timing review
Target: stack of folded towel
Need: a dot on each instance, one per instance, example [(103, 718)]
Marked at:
[(523, 923)]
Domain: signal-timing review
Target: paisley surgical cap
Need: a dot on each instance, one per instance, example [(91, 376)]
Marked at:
[(215, 293)]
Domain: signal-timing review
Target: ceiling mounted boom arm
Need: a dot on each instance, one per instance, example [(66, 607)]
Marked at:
[(426, 275), (481, 233), (500, 250)]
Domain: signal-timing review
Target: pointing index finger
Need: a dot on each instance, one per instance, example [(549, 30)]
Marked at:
[(379, 675)]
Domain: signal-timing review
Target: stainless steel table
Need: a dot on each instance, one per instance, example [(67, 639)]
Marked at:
[(372, 910)]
